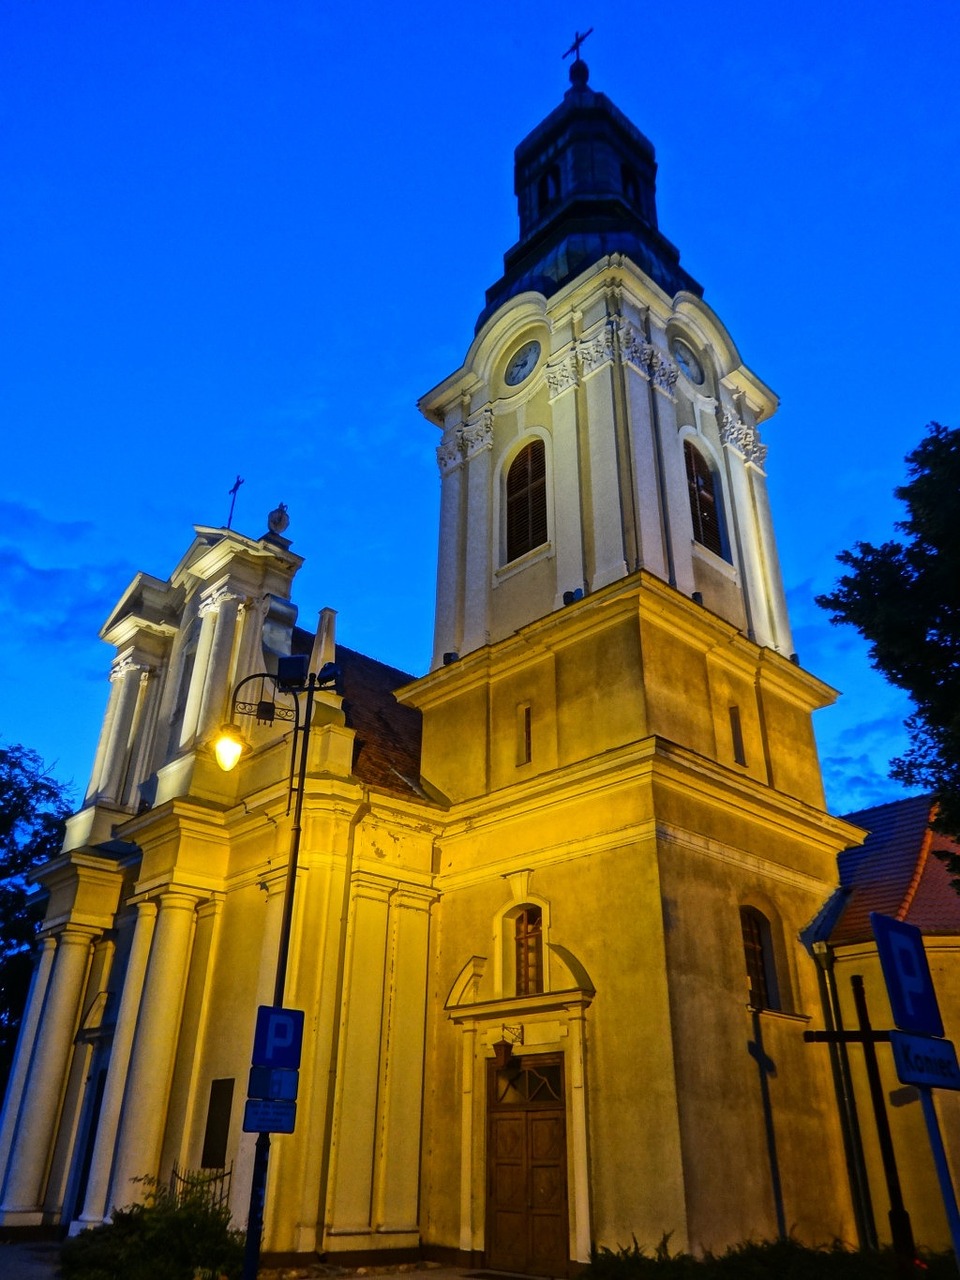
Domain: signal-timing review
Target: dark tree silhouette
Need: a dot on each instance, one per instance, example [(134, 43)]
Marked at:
[(904, 598), (33, 806)]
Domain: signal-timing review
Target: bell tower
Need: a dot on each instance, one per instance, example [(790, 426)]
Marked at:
[(602, 422)]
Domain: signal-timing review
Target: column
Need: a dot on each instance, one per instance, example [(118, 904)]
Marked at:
[(448, 633), (576, 1058), (742, 532), (397, 1192), (266, 980), (635, 356), (567, 527), (605, 508), (218, 667), (126, 673), (191, 712), (469, 1230), (154, 1049), (25, 1041), (676, 497), (481, 537), (95, 1208), (37, 1124), (103, 742), (781, 637), (250, 657), (142, 737), (358, 1071)]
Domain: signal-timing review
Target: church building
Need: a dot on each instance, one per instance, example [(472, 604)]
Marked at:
[(546, 923)]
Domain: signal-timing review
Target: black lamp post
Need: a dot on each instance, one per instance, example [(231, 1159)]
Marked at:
[(293, 679)]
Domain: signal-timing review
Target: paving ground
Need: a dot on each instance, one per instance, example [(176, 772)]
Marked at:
[(36, 1260), (41, 1261)]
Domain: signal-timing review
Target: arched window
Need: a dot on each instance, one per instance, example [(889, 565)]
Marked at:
[(527, 500), (758, 953), (703, 487), (548, 189), (629, 184), (528, 932)]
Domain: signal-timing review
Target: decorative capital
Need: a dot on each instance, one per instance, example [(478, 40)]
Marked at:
[(635, 349), (478, 434), (745, 439), (126, 666), (595, 351), (219, 596), (466, 440), (562, 375), (664, 372)]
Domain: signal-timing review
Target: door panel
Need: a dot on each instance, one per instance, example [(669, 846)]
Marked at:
[(527, 1223)]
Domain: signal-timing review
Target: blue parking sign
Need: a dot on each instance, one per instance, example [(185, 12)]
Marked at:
[(279, 1037), (907, 975)]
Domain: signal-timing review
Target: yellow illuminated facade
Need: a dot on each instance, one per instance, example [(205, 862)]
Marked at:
[(547, 915)]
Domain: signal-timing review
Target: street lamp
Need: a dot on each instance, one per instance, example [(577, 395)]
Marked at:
[(292, 679)]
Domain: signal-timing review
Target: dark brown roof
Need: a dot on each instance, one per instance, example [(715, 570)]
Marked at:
[(386, 752), (896, 872)]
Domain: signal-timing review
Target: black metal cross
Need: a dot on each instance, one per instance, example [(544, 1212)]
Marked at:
[(233, 499), (578, 40)]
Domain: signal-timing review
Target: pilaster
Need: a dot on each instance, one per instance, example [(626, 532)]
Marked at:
[(479, 542), (603, 508), (23, 1057), (151, 1062), (32, 1146), (448, 631), (95, 1209), (126, 673)]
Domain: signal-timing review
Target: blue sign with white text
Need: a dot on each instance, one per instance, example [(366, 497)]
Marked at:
[(907, 975), (925, 1061), (269, 1116), (279, 1037)]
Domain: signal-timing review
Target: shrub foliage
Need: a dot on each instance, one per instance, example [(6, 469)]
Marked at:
[(165, 1238), (773, 1260)]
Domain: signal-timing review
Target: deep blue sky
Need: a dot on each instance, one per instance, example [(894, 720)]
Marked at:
[(246, 235)]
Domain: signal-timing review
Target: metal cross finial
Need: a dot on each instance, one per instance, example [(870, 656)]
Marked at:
[(578, 40), (233, 499)]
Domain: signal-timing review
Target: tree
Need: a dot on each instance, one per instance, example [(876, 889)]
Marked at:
[(33, 806), (904, 598)]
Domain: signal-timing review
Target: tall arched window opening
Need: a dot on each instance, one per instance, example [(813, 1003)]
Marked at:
[(758, 953), (704, 500), (528, 927), (527, 500), (548, 188)]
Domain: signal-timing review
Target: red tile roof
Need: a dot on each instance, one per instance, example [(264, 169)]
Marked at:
[(896, 872), (386, 750)]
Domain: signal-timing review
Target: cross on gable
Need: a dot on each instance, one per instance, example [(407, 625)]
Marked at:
[(578, 40)]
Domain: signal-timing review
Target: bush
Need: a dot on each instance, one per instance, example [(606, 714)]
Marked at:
[(165, 1238), (773, 1260)]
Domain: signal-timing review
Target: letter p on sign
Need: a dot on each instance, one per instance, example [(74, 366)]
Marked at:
[(907, 975), (279, 1037)]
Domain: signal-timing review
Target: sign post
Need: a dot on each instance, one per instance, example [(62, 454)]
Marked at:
[(922, 1057)]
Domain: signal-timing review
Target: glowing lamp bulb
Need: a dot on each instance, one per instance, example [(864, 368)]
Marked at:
[(228, 747)]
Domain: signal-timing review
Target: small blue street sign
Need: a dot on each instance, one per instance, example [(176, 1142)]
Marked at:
[(277, 1083), (279, 1037), (907, 975), (925, 1060), (264, 1115)]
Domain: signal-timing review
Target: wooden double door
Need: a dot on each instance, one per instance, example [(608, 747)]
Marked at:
[(527, 1225)]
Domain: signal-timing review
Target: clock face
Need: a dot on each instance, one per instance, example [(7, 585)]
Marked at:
[(687, 360), (522, 364)]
